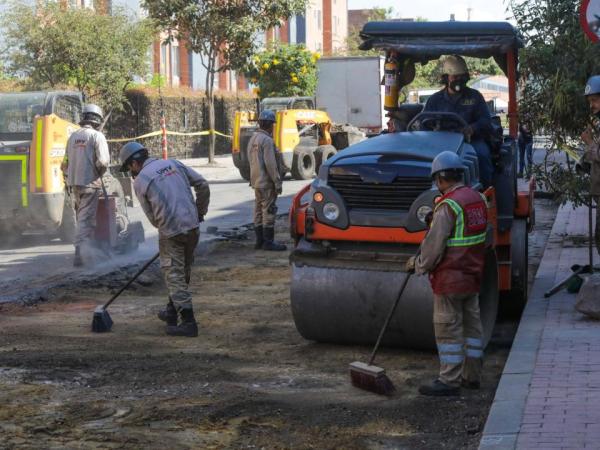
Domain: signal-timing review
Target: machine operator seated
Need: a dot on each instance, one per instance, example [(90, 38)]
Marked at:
[(457, 97)]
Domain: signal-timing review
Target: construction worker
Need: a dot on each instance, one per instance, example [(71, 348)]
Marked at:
[(265, 179), (453, 254), (85, 162), (163, 189), (591, 158), (458, 98)]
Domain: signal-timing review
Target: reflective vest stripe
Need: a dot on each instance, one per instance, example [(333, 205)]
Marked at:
[(459, 239)]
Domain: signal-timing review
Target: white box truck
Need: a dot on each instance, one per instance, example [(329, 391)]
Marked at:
[(349, 89)]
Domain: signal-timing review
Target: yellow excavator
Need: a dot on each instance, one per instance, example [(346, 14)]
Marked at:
[(34, 129), (302, 134)]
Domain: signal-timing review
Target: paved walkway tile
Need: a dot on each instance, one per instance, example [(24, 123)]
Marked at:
[(549, 393)]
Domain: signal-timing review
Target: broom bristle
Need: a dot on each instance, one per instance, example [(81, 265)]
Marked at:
[(371, 378), (101, 322)]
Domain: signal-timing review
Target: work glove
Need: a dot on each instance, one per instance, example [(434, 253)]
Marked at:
[(279, 189), (200, 218), (429, 219), (410, 264), (468, 131), (583, 168)]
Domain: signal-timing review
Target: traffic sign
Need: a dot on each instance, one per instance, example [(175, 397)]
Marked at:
[(589, 16)]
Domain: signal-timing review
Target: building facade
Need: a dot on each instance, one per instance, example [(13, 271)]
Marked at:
[(322, 28)]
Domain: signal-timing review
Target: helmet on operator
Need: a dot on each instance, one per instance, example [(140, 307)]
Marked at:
[(455, 66)]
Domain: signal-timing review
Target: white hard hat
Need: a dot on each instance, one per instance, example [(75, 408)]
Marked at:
[(454, 65)]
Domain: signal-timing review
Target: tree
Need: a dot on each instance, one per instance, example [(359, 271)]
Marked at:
[(284, 71), (99, 55), (353, 41), (222, 32), (554, 65)]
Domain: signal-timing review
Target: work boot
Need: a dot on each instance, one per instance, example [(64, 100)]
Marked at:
[(188, 326), (77, 261), (438, 389), (470, 384), (259, 237), (269, 243), (169, 315)]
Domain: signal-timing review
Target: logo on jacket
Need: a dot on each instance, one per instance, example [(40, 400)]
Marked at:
[(166, 171)]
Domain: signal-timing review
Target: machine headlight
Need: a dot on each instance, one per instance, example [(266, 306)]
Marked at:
[(422, 213), (331, 211)]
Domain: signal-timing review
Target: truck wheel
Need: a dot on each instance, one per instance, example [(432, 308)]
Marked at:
[(245, 173), (304, 164), (514, 301), (323, 153)]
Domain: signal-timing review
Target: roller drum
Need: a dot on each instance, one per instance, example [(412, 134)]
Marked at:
[(349, 306)]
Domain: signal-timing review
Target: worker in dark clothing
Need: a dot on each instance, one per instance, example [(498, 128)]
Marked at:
[(525, 149), (453, 254), (458, 98), (591, 157), (265, 179)]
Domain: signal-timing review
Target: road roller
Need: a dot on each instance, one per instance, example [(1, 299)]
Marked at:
[(365, 214)]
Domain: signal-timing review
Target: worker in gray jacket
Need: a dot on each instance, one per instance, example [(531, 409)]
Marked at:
[(591, 157), (86, 160), (163, 189), (266, 181)]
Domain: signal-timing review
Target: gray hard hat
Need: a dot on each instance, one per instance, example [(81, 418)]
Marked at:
[(92, 114), (446, 161), (128, 151), (454, 65), (267, 115), (592, 86)]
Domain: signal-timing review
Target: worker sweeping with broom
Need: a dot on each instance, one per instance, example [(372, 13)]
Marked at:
[(163, 189), (453, 254)]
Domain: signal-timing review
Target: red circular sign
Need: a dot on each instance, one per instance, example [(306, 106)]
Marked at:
[(589, 17)]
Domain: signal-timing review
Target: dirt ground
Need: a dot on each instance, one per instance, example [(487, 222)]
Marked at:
[(248, 381)]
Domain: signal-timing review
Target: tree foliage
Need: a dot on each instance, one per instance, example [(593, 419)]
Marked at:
[(97, 54), (222, 32), (284, 71), (554, 65)]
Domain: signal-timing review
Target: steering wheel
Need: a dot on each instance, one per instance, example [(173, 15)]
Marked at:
[(438, 121)]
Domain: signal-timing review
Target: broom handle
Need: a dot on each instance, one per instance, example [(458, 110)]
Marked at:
[(139, 272), (389, 317), (590, 235)]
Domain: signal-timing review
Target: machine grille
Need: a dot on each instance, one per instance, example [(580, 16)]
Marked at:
[(397, 195), (10, 185)]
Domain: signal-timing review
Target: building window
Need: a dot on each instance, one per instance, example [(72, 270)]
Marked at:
[(163, 59), (319, 20), (175, 61)]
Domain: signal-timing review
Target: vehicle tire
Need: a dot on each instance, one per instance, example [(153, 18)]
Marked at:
[(68, 224), (323, 153), (245, 173), (514, 302), (304, 164)]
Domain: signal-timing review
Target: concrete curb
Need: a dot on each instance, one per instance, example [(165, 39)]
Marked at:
[(505, 417)]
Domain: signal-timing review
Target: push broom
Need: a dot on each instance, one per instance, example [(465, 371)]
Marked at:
[(368, 376), (102, 322)]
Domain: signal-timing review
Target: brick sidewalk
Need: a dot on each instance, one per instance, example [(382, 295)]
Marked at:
[(549, 394)]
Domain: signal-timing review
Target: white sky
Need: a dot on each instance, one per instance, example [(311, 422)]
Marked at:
[(481, 10)]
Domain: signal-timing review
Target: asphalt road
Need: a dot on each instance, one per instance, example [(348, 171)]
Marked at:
[(35, 263)]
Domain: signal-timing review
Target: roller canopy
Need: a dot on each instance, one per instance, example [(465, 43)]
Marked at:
[(424, 41)]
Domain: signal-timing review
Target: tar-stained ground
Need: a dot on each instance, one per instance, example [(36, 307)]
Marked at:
[(248, 381)]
